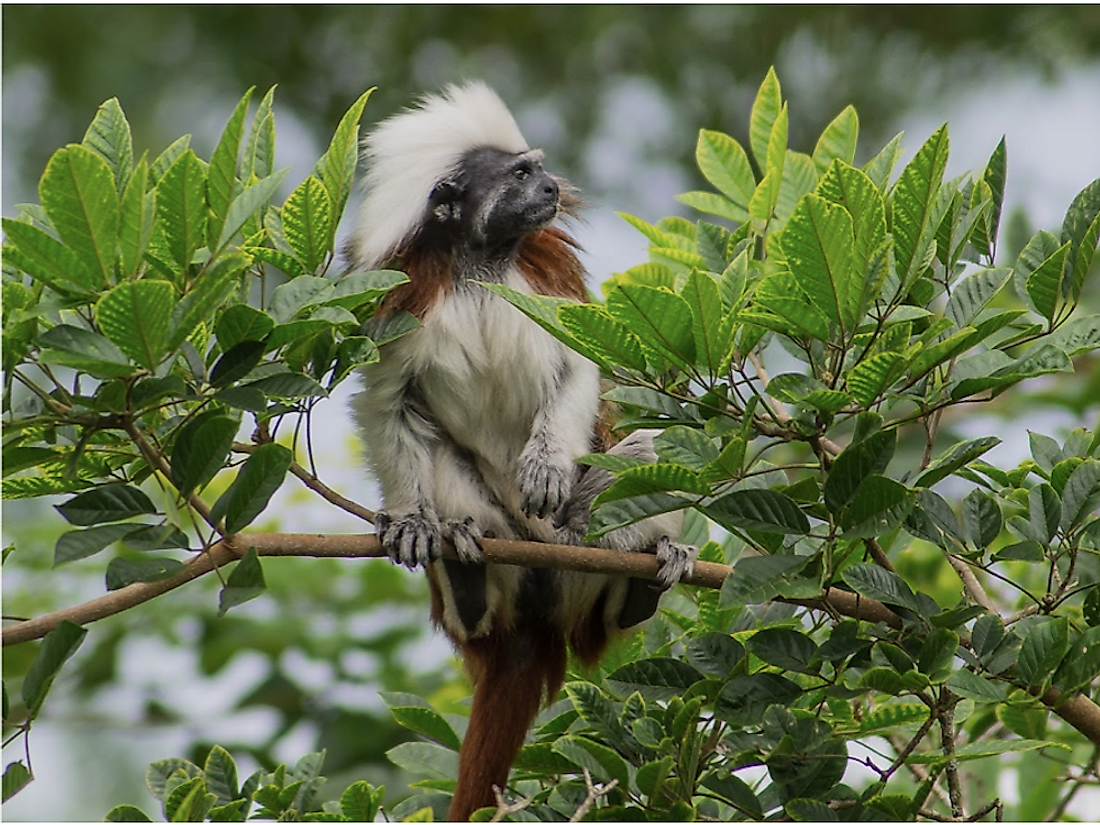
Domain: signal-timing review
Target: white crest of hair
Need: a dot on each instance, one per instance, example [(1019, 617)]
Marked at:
[(409, 153)]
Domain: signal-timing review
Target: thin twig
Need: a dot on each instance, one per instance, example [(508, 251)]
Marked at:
[(945, 710), (970, 582), (505, 809), (594, 793)]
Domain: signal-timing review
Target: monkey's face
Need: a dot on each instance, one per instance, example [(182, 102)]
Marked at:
[(496, 197)]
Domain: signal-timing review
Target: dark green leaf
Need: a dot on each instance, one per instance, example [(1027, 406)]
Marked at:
[(972, 686), (879, 505), (765, 511), (786, 649), (246, 582), (111, 502), (242, 323), (126, 813), (201, 449), (982, 518), (660, 319), (876, 583), (248, 495), (972, 294), (601, 334), (756, 579), (357, 803), (715, 654), (956, 456), (220, 772), (79, 544), (670, 677), (215, 286), (735, 791), (84, 350), (744, 698), (1081, 495), (1044, 646), (56, 649), (425, 758), (16, 777), (913, 215), (858, 461), (291, 385), (123, 572), (237, 362)]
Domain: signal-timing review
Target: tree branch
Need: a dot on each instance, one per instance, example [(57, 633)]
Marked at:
[(1079, 711)]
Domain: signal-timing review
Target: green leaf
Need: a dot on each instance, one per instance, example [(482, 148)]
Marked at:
[(712, 335), (1044, 284), (872, 376), (820, 250), (357, 803), (423, 720), (162, 162), (857, 193), (221, 178), (765, 111), (1042, 249), (248, 495), (956, 456), (794, 315), (1044, 646), (800, 176), (16, 777), (188, 802), (744, 698), (1081, 228), (1040, 360), (79, 544), (914, 216), (981, 518), (653, 478), (985, 748), (425, 758), (786, 649), (1081, 495), (201, 449), (108, 136), (242, 323), (879, 505), (859, 460), (245, 583), (291, 385), (246, 205), (111, 502), (123, 572), (616, 514), (45, 259), (136, 218), (660, 319), (657, 676), (937, 654), (892, 716), (984, 238), (712, 204), (57, 647), (1081, 334), (880, 167), (126, 813), (181, 207), (735, 791), (756, 579), (766, 511), (972, 294), (220, 772), (237, 362), (876, 583), (715, 654), (687, 446), (726, 166), (259, 152), (78, 193), (307, 221), (336, 167), (603, 335), (134, 315), (353, 290), (972, 686), (215, 287), (839, 139), (809, 810)]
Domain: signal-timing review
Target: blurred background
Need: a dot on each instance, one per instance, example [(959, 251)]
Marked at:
[(616, 96)]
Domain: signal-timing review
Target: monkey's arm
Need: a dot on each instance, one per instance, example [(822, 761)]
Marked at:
[(561, 434)]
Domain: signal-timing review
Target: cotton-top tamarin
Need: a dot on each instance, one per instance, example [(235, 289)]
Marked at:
[(473, 423)]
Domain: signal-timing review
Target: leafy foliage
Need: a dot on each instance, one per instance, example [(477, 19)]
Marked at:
[(135, 350)]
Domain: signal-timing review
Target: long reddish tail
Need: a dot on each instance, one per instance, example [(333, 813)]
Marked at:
[(512, 674)]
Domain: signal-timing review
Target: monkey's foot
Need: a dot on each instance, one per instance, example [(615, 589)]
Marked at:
[(674, 561), (411, 539), (466, 537), (544, 488)]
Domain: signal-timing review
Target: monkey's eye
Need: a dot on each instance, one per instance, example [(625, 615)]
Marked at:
[(522, 172)]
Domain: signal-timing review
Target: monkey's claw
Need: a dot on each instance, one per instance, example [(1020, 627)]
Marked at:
[(544, 488), (674, 561), (466, 537), (411, 539)]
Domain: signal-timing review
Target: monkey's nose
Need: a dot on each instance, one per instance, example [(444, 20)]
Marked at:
[(550, 188)]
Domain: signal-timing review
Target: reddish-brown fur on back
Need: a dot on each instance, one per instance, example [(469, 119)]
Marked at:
[(547, 259)]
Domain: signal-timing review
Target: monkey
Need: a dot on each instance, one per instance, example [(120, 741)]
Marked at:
[(473, 423)]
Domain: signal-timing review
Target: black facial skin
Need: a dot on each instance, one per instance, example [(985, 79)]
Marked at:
[(492, 201)]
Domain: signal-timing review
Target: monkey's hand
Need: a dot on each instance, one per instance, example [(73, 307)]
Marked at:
[(543, 483), (674, 561), (466, 537), (410, 538)]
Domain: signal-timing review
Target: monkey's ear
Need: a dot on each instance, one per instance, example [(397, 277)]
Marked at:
[(446, 201)]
